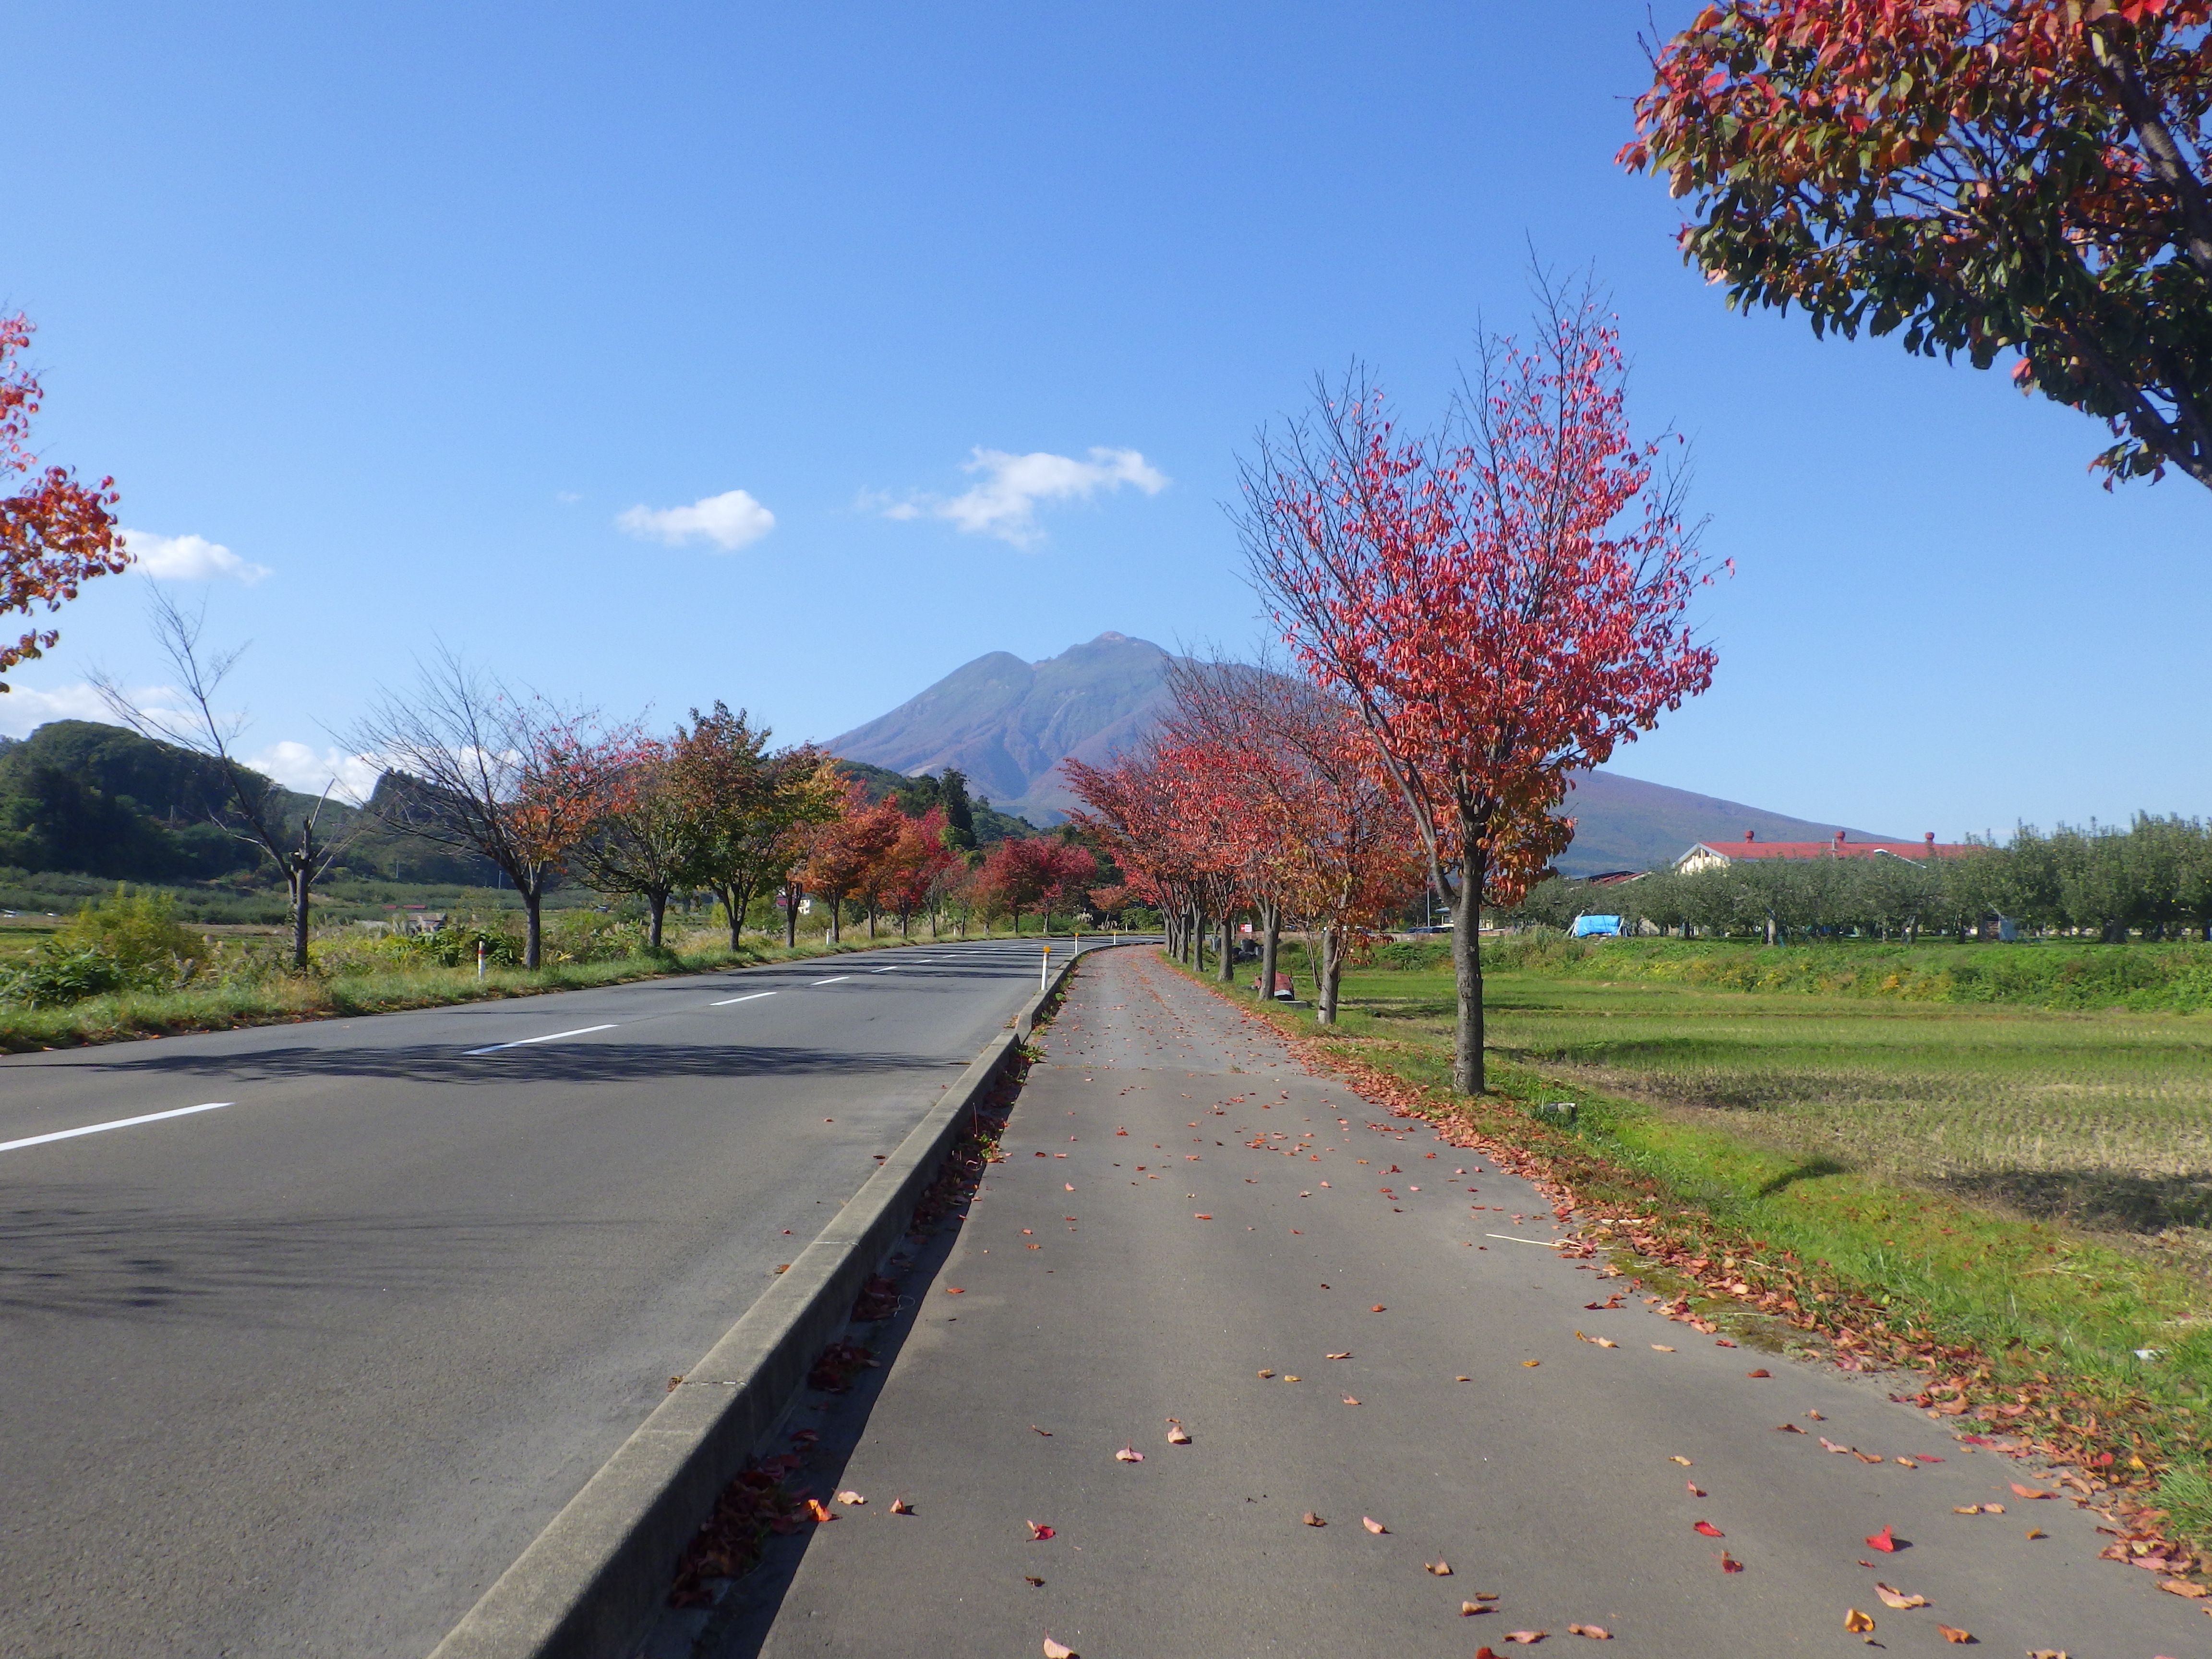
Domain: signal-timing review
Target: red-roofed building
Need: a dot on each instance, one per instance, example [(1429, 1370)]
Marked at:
[(1718, 855)]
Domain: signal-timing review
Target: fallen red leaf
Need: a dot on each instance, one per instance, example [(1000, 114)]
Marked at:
[(1729, 1563), (1885, 1540), (820, 1510), (1710, 1529), (1038, 1533), (954, 1289), (1696, 1491), (1761, 1371), (1378, 1308)]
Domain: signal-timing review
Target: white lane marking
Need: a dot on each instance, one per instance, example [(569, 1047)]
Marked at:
[(524, 1042), (1540, 1243), (750, 996), (893, 969), (119, 1123), (834, 979)]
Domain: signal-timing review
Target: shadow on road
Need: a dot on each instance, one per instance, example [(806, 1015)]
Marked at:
[(99, 1259), (578, 1061)]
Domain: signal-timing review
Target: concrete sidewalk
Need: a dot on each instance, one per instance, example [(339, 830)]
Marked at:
[(1351, 1319)]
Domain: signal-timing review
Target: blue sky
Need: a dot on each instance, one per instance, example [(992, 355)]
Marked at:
[(431, 313)]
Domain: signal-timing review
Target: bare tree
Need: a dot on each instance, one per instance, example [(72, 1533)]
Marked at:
[(512, 778), (254, 811)]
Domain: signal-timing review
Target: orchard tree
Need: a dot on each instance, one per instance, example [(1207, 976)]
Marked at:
[(55, 534), (2030, 176), (1502, 600)]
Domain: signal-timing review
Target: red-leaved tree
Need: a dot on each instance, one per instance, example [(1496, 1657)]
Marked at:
[(1502, 600), (482, 769), (55, 534), (1128, 806), (1985, 175), (911, 873), (842, 855)]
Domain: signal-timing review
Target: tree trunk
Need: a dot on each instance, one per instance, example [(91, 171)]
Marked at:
[(836, 921), (658, 901), (534, 932), (1466, 968), (1271, 942), (1329, 982), (735, 903), (299, 883), (1324, 990), (1193, 941), (1225, 970), (791, 895)]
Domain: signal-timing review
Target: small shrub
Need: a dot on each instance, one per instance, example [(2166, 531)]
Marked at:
[(592, 936), (125, 942)]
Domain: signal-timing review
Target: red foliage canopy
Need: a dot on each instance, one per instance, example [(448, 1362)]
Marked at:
[(1986, 174), (55, 533)]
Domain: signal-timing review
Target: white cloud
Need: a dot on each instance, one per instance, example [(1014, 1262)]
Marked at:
[(188, 558), (729, 520), (23, 711), (302, 766), (1005, 504)]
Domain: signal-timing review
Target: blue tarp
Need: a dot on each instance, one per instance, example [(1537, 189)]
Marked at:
[(1587, 926)]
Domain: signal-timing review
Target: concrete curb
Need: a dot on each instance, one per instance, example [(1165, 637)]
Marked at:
[(590, 1585)]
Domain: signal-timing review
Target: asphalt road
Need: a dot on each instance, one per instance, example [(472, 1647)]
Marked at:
[(302, 1372), (1352, 1319)]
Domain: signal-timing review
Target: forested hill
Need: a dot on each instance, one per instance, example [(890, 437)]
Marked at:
[(100, 800)]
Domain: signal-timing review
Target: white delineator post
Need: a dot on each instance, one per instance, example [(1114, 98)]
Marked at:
[(479, 958), (1044, 969)]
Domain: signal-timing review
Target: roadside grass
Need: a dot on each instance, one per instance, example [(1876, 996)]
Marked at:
[(2023, 1184), (277, 998)]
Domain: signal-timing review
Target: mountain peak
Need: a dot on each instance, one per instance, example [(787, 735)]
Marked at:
[(1008, 724)]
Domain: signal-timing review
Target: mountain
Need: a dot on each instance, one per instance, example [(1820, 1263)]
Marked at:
[(1007, 724)]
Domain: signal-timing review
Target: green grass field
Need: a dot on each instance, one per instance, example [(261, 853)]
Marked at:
[(2036, 1184), (2104, 1120)]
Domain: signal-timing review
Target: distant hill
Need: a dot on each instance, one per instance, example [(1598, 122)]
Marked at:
[(1625, 823), (990, 823), (1008, 724)]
